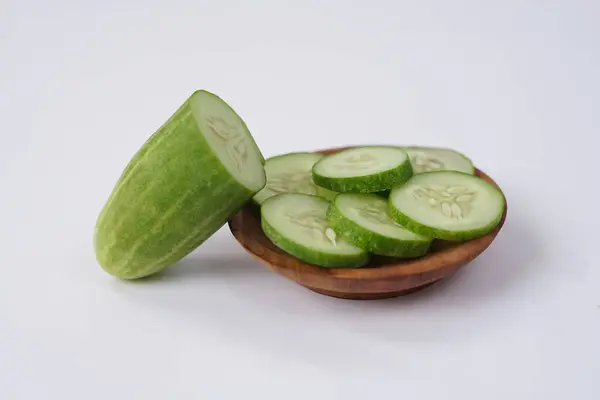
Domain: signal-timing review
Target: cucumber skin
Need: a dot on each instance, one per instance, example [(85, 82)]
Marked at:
[(314, 257), (444, 234), (171, 196), (373, 242), (379, 182)]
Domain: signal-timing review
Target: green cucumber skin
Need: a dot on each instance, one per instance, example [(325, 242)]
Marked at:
[(172, 196), (321, 259), (380, 182), (444, 234), (374, 242)]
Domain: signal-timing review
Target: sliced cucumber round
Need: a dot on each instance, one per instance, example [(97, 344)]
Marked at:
[(330, 194), (364, 169), (288, 173), (364, 220), (296, 223), (427, 159), (447, 205)]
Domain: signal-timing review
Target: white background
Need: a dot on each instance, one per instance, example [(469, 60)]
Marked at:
[(514, 84)]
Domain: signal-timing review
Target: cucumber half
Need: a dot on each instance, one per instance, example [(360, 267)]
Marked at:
[(427, 159), (447, 205), (296, 223), (184, 183), (288, 173), (364, 220), (364, 169)]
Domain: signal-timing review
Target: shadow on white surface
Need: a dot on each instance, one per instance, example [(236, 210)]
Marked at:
[(507, 263), (239, 300)]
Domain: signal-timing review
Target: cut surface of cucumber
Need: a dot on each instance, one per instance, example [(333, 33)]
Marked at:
[(364, 169), (192, 175), (427, 159), (229, 138), (296, 223), (288, 173), (364, 220), (447, 205)]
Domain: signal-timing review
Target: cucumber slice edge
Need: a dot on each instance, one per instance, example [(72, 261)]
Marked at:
[(301, 251), (372, 241)]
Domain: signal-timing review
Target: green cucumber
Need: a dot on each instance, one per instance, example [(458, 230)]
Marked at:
[(364, 220), (288, 173), (191, 176), (447, 205), (365, 169), (427, 159), (296, 223)]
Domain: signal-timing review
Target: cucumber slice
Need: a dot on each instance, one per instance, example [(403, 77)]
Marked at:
[(427, 159), (364, 169), (296, 223), (447, 205), (288, 173), (364, 220), (185, 182)]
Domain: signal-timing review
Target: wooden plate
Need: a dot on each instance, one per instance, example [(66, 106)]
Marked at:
[(382, 278)]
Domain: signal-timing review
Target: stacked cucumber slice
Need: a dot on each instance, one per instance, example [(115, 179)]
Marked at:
[(376, 200), (364, 220), (297, 224), (447, 205), (366, 169), (202, 166)]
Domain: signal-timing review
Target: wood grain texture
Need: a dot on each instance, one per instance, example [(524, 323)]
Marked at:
[(383, 278)]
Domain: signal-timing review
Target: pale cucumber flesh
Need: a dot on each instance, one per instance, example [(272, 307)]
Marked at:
[(364, 220), (228, 136), (427, 159), (297, 224), (288, 173), (364, 169), (447, 205)]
